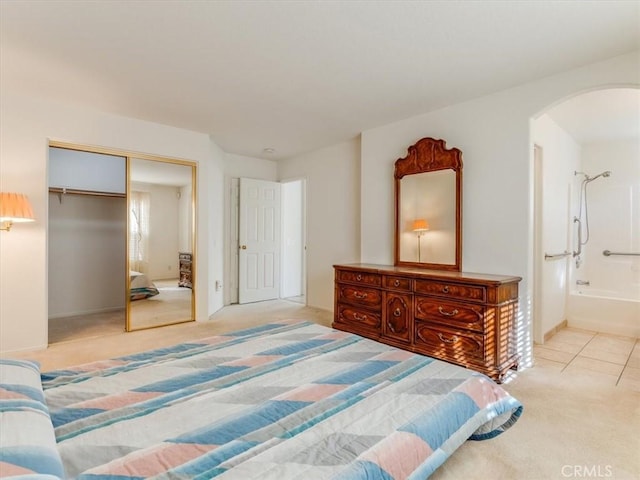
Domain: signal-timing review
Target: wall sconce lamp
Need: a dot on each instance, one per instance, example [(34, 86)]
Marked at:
[(420, 226), (14, 208)]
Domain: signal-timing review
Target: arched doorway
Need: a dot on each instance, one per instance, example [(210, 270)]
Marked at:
[(587, 201)]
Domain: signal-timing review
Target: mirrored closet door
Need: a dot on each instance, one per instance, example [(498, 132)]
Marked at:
[(160, 242)]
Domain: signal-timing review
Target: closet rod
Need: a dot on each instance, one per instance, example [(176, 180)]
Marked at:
[(74, 191)]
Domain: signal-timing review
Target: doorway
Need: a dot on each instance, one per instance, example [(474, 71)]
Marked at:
[(293, 284), (591, 138), (290, 251)]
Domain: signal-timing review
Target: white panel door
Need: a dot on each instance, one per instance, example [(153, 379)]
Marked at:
[(259, 241)]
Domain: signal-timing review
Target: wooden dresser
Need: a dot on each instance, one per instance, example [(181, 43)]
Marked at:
[(464, 318), (186, 270)]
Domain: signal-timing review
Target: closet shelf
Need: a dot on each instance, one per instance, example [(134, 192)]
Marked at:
[(73, 191)]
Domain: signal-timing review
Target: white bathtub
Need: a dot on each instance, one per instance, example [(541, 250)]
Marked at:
[(605, 311)]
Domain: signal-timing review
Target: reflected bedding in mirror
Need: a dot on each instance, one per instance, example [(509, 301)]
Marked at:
[(141, 286)]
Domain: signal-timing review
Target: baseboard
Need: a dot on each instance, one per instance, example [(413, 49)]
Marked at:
[(554, 330)]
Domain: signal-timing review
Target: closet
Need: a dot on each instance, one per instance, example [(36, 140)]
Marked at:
[(118, 226), (86, 243)]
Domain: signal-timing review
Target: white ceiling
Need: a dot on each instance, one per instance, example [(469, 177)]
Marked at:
[(296, 75)]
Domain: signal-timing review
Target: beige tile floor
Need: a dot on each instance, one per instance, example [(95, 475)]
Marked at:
[(604, 358)]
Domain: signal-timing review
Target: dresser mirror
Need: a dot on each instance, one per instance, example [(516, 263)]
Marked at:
[(428, 207), (160, 242)]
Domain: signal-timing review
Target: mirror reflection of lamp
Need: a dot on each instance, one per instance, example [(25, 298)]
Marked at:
[(420, 226)]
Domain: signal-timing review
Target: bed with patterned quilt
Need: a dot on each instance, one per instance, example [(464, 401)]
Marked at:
[(285, 400)]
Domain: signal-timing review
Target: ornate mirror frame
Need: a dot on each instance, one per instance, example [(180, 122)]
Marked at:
[(429, 155)]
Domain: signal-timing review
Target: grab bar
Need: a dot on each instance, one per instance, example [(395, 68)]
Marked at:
[(553, 256), (608, 253), (579, 251)]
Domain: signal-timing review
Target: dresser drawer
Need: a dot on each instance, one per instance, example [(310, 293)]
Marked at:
[(475, 293), (368, 297), (449, 344), (396, 283), (458, 315), (358, 317), (370, 279)]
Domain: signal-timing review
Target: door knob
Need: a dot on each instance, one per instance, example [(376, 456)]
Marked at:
[(243, 247)]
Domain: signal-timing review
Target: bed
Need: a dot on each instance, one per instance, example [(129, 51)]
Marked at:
[(140, 286), (285, 400)]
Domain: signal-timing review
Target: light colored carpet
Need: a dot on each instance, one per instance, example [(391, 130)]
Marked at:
[(171, 305), (65, 329), (573, 425)]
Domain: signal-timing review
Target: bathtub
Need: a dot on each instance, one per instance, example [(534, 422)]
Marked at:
[(605, 311)]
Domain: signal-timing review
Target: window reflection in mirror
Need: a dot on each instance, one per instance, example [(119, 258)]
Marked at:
[(160, 243), (428, 197)]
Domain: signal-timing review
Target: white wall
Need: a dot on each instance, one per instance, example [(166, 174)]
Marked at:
[(164, 229), (333, 213), (236, 166), (614, 217), (26, 126), (560, 159), (210, 228), (87, 254), (185, 219)]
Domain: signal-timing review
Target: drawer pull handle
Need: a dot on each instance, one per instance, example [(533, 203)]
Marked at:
[(360, 318), (358, 277), (445, 289), (396, 283), (360, 294), (448, 314), (397, 312), (449, 341)]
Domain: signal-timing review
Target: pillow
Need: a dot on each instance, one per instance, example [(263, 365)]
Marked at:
[(27, 438)]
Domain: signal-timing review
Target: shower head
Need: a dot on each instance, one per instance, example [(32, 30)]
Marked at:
[(603, 174)]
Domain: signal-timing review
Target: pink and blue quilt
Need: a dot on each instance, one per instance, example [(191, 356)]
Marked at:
[(285, 400)]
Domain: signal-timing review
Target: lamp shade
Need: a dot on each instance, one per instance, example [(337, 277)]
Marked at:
[(420, 225), (15, 207)]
